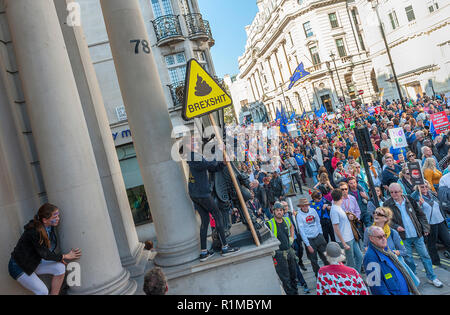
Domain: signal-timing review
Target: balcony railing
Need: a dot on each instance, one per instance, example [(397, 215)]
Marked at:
[(167, 29), (198, 28), (177, 92), (208, 31)]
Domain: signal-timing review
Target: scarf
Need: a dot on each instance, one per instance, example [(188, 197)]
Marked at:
[(411, 286), (386, 229)]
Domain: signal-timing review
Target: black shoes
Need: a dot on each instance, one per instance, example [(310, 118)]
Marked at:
[(227, 251), (206, 256)]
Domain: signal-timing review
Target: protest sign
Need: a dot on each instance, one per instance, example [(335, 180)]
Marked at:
[(440, 122), (398, 138)]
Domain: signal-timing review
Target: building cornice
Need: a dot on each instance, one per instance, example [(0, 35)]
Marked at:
[(280, 28)]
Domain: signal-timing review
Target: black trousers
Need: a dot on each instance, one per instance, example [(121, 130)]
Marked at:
[(205, 206), (320, 246), (437, 231), (286, 270), (296, 177), (327, 229)]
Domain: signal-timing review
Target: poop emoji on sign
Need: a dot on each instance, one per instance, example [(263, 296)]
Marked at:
[(202, 88)]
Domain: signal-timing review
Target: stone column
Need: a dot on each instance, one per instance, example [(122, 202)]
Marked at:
[(108, 165), (65, 151), (148, 117)]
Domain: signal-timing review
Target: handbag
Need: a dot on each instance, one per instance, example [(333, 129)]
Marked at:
[(410, 272)]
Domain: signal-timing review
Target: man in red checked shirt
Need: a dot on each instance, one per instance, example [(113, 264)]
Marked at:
[(338, 279)]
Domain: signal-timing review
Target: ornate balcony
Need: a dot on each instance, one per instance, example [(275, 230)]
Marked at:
[(167, 30), (208, 30), (197, 27), (177, 92)]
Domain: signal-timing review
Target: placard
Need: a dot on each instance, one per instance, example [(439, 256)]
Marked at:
[(416, 173), (288, 184), (440, 122), (398, 138)]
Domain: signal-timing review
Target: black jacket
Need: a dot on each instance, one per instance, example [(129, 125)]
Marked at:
[(28, 252), (277, 187), (415, 212), (199, 185)]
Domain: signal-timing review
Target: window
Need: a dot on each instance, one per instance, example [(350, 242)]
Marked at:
[(433, 6), (166, 5), (333, 20), (314, 55), (361, 41), (137, 197), (340, 47), (393, 19), (355, 16), (410, 13), (308, 29), (176, 65)]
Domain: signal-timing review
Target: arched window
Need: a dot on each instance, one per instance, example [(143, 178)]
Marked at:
[(299, 102)]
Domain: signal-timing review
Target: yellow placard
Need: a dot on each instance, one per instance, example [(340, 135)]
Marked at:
[(202, 94), (388, 276)]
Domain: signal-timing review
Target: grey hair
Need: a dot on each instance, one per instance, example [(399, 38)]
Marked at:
[(395, 185), (371, 230), (423, 149)]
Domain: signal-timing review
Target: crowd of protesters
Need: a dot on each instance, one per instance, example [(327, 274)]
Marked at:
[(324, 160)]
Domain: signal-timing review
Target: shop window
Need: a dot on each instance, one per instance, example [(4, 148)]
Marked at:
[(137, 198)]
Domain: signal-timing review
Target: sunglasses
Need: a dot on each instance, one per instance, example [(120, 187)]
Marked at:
[(379, 214), (380, 237)]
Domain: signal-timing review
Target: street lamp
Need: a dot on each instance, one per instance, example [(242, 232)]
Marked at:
[(333, 57), (388, 51), (332, 78)]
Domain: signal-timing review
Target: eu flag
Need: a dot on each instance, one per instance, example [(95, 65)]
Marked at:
[(283, 121), (299, 73)]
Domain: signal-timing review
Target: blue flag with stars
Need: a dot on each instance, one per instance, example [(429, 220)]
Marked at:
[(299, 73)]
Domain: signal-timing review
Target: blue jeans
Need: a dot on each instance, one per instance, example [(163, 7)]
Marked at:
[(354, 257), (421, 249), (314, 177), (267, 213)]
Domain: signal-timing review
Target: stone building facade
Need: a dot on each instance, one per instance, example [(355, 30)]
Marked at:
[(177, 32), (417, 32), (326, 36)]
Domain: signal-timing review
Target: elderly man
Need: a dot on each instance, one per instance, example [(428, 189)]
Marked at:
[(386, 275), (412, 225), (436, 218), (428, 153), (417, 145), (308, 222)]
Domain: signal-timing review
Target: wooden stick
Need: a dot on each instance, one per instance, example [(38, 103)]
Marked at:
[(235, 183)]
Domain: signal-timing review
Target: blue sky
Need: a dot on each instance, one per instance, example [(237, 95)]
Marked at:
[(228, 19)]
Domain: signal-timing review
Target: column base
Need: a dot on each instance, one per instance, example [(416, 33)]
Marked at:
[(123, 285), (183, 253), (136, 264), (233, 275)]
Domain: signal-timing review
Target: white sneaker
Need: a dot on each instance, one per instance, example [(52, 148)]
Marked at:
[(436, 283)]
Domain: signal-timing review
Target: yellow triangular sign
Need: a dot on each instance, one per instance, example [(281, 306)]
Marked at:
[(202, 94)]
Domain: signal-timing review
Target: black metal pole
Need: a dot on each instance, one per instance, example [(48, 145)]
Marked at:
[(339, 79), (388, 51), (365, 157)]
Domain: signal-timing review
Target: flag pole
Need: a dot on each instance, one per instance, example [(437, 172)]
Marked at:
[(284, 98)]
